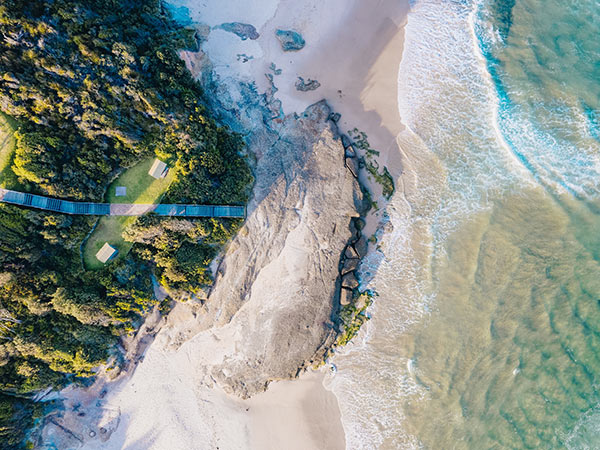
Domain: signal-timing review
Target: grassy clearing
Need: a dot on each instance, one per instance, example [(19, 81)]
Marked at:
[(141, 188), (109, 230), (7, 149)]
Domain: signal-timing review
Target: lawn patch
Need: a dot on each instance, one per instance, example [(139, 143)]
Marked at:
[(141, 188), (7, 149), (109, 230)]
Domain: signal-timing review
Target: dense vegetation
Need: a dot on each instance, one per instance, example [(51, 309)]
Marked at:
[(95, 86), (180, 249)]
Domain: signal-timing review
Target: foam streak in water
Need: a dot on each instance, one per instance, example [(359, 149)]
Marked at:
[(485, 331)]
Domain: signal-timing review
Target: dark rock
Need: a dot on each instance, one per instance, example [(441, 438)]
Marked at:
[(242, 30), (335, 117), (275, 70), (244, 58), (359, 223), (346, 142), (350, 152), (345, 297), (352, 165), (291, 41), (349, 281), (364, 205), (350, 253), (361, 246), (305, 86), (355, 232), (350, 265)]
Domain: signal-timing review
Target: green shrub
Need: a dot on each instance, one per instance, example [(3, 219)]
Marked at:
[(96, 86)]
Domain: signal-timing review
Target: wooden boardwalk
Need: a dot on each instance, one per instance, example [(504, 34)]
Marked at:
[(118, 209)]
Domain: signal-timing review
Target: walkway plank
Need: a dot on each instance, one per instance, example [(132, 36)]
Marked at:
[(118, 209)]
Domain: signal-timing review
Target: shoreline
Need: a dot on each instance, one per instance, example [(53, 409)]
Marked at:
[(362, 62), (353, 50)]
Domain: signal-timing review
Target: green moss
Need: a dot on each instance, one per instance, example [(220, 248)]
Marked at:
[(361, 141), (352, 317), (384, 178)]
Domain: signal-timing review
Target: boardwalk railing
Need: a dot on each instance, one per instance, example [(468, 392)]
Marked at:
[(118, 209)]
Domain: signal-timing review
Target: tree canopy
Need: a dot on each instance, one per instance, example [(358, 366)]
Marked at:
[(95, 86)]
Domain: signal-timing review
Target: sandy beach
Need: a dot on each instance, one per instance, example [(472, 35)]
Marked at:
[(353, 49), (161, 405)]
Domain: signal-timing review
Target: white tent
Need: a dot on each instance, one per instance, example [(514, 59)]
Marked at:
[(105, 253), (158, 169)]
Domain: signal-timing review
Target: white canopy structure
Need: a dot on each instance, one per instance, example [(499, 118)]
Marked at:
[(105, 253), (158, 169)]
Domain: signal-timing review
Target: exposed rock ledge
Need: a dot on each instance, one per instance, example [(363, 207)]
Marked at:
[(277, 287)]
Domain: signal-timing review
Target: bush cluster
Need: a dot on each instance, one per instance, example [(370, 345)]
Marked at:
[(95, 86)]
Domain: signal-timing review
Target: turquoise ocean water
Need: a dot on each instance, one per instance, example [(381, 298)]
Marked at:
[(486, 334)]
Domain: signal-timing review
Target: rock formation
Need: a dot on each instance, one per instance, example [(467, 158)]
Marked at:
[(291, 41), (278, 287), (305, 86), (286, 258), (242, 30)]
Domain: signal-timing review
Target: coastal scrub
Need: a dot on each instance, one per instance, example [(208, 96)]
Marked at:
[(97, 88)]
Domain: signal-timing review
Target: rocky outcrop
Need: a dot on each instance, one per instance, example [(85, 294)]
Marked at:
[(285, 261), (242, 30), (305, 86), (291, 41), (277, 290)]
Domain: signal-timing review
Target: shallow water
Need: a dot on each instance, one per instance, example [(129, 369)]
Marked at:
[(486, 333)]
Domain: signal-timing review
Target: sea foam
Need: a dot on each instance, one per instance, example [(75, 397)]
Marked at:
[(455, 161), (475, 164)]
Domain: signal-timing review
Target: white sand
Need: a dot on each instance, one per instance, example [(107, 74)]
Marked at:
[(353, 48), (163, 406)]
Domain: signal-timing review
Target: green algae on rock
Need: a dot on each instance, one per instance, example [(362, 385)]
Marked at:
[(291, 41)]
